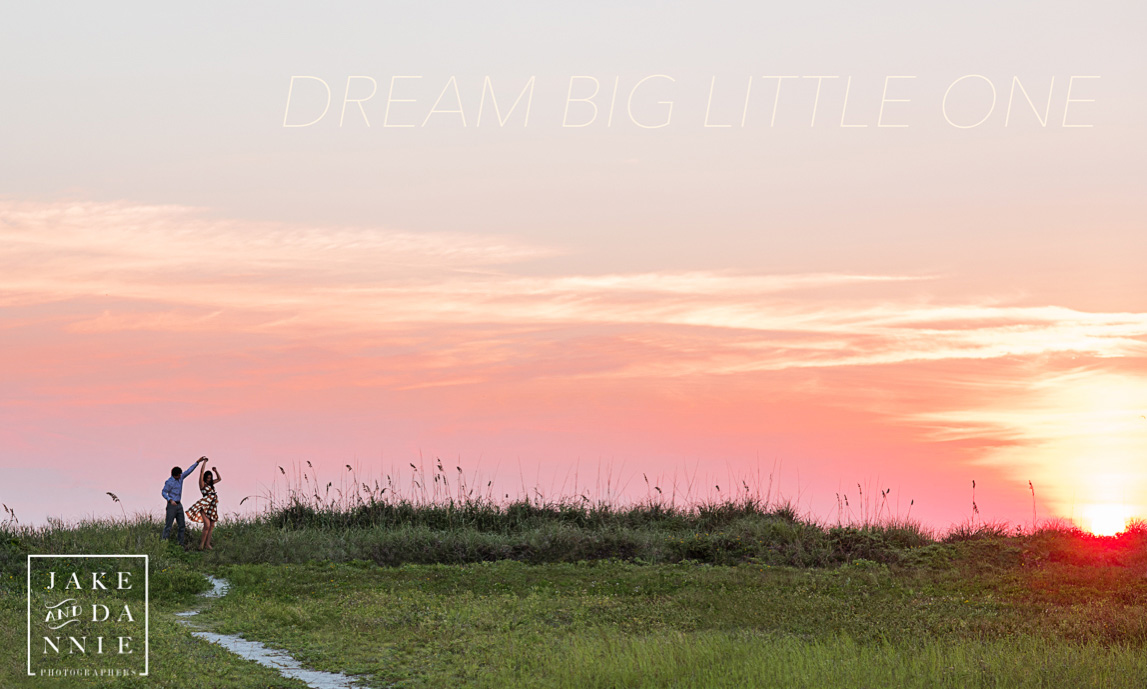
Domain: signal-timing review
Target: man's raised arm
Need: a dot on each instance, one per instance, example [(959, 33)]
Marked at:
[(192, 468)]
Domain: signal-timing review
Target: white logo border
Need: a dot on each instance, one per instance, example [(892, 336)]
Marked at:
[(146, 607)]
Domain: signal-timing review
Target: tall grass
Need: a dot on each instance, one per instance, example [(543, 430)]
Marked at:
[(440, 516), (717, 659), (446, 500)]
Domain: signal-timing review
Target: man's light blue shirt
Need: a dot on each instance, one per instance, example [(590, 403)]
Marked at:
[(173, 488)]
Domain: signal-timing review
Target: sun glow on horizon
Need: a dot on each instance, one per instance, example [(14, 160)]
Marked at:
[(1106, 520)]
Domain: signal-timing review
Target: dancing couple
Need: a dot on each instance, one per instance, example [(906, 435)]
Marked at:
[(205, 510)]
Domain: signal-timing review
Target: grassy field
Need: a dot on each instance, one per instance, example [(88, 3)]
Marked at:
[(734, 595)]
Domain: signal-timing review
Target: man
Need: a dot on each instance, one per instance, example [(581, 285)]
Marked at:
[(173, 493)]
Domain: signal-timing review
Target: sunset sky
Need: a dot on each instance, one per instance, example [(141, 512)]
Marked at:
[(911, 304)]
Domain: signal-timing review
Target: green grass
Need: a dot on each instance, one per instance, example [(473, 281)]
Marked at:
[(607, 624), (735, 660), (729, 595)]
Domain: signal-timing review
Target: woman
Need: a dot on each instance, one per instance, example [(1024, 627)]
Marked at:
[(206, 509)]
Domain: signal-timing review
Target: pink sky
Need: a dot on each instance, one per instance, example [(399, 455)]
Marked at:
[(138, 337)]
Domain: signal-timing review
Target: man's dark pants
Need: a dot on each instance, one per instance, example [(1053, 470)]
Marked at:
[(175, 513)]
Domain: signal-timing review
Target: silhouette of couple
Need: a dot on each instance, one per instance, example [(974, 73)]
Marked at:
[(205, 510)]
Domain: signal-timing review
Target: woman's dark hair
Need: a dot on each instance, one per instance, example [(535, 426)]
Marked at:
[(209, 478)]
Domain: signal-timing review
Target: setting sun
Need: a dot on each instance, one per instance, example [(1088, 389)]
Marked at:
[(1106, 520)]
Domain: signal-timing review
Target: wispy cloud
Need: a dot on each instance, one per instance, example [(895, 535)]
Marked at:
[(176, 269)]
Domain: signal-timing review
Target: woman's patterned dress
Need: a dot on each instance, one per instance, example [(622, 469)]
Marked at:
[(207, 506)]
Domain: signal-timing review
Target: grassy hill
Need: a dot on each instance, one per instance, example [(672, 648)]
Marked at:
[(735, 594)]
